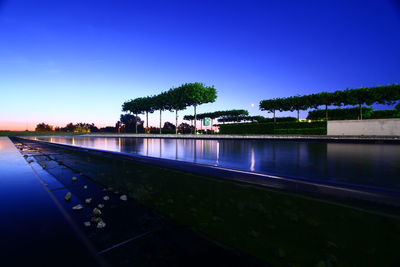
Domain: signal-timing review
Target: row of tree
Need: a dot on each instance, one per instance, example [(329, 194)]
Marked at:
[(175, 99), (70, 127), (229, 115), (350, 97)]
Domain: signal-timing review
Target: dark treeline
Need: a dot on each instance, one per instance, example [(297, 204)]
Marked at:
[(175, 99), (387, 95), (71, 127)]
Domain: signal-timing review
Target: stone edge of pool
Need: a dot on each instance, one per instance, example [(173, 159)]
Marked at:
[(325, 138), (338, 191)]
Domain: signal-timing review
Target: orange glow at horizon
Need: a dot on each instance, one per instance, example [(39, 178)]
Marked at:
[(30, 126)]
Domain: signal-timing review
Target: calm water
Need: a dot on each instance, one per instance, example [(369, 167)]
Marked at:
[(366, 164)]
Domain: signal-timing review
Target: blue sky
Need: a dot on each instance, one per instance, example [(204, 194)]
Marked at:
[(78, 60)]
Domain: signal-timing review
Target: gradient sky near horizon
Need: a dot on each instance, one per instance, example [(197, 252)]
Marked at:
[(78, 60)]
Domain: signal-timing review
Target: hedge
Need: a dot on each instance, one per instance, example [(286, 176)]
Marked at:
[(280, 119), (340, 114), (312, 131), (259, 119), (352, 114), (384, 114), (277, 128)]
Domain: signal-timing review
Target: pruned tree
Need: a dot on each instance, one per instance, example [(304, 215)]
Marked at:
[(134, 106), (148, 107), (196, 94), (177, 101), (361, 96), (271, 105)]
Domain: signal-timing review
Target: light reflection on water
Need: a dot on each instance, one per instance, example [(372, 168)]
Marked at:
[(368, 164)]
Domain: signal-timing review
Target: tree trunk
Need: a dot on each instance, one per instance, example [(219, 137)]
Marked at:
[(326, 112), (176, 121), (298, 115), (360, 112), (160, 121), (195, 120), (274, 117), (136, 121), (147, 122)]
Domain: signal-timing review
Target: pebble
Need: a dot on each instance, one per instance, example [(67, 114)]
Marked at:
[(106, 198), (87, 224), (77, 207), (88, 200), (68, 196), (74, 179), (100, 205), (123, 198), (96, 211), (96, 219), (101, 224)]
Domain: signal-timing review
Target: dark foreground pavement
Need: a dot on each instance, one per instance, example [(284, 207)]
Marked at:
[(43, 229), (34, 230)]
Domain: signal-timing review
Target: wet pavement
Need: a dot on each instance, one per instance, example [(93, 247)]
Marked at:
[(33, 229), (122, 233)]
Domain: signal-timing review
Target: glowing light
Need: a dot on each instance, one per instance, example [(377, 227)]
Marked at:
[(253, 160)]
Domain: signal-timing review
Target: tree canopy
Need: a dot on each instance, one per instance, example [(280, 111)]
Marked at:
[(188, 94), (387, 94)]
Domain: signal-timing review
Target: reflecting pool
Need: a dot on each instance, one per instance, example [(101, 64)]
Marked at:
[(365, 164)]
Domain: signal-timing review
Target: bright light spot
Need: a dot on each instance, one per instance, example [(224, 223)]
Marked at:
[(252, 105)]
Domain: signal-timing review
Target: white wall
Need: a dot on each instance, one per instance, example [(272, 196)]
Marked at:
[(387, 127)]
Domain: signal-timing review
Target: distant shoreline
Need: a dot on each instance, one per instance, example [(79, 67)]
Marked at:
[(323, 138)]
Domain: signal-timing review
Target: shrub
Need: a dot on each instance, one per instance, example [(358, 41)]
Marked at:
[(274, 128)]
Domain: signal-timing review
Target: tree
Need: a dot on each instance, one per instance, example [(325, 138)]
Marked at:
[(196, 94), (185, 128), (169, 126), (130, 123), (189, 118), (271, 105), (387, 95), (70, 127), (323, 98), (134, 106), (177, 101), (160, 102), (147, 107), (83, 127), (361, 96), (43, 127), (295, 103), (397, 107)]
